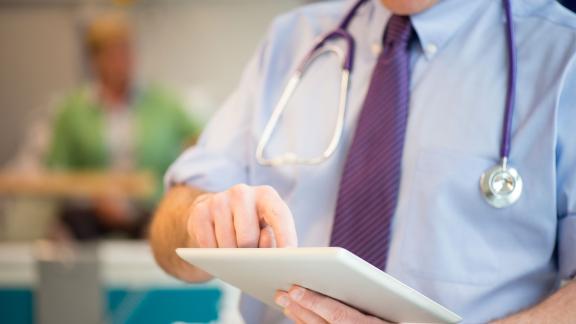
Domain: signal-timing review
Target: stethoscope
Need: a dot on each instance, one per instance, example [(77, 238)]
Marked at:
[(501, 185)]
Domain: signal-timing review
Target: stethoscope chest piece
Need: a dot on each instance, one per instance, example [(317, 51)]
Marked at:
[(501, 185)]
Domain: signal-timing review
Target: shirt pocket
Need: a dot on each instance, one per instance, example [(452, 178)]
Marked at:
[(451, 234)]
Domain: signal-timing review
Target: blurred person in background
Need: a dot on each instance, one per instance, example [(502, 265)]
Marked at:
[(112, 124)]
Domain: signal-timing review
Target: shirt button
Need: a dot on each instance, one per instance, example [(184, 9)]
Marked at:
[(376, 49), (431, 49)]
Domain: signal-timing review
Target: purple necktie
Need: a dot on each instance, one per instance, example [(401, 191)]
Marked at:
[(370, 183)]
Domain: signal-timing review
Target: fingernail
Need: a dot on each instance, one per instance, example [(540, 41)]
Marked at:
[(296, 293), (282, 301)]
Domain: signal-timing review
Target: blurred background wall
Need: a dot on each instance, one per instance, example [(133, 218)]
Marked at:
[(197, 47)]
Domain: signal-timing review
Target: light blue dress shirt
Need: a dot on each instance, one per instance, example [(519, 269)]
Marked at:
[(448, 243)]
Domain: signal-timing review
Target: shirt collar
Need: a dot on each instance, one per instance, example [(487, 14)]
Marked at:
[(436, 26)]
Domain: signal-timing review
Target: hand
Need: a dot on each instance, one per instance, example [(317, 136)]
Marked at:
[(307, 307), (241, 217), (114, 212)]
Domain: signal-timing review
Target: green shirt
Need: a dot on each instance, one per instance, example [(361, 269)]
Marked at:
[(161, 130)]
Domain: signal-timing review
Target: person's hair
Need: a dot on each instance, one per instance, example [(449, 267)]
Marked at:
[(106, 29)]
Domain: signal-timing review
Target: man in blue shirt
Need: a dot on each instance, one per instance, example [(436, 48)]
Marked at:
[(445, 240)]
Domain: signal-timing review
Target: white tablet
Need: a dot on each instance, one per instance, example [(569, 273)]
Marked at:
[(334, 272)]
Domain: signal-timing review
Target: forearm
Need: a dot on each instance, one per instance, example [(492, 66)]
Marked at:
[(558, 308), (168, 232)]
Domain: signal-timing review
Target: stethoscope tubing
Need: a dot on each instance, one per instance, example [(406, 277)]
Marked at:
[(506, 140), (505, 146), (347, 66)]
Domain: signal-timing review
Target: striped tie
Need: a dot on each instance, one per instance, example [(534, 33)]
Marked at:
[(370, 183)]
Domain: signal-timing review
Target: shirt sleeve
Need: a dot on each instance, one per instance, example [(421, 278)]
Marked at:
[(566, 175), (221, 156)]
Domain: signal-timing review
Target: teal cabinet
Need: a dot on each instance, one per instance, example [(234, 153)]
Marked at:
[(142, 305)]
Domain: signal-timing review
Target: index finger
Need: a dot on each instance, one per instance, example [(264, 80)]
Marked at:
[(273, 211)]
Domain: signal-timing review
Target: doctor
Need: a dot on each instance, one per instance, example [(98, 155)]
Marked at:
[(447, 160)]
